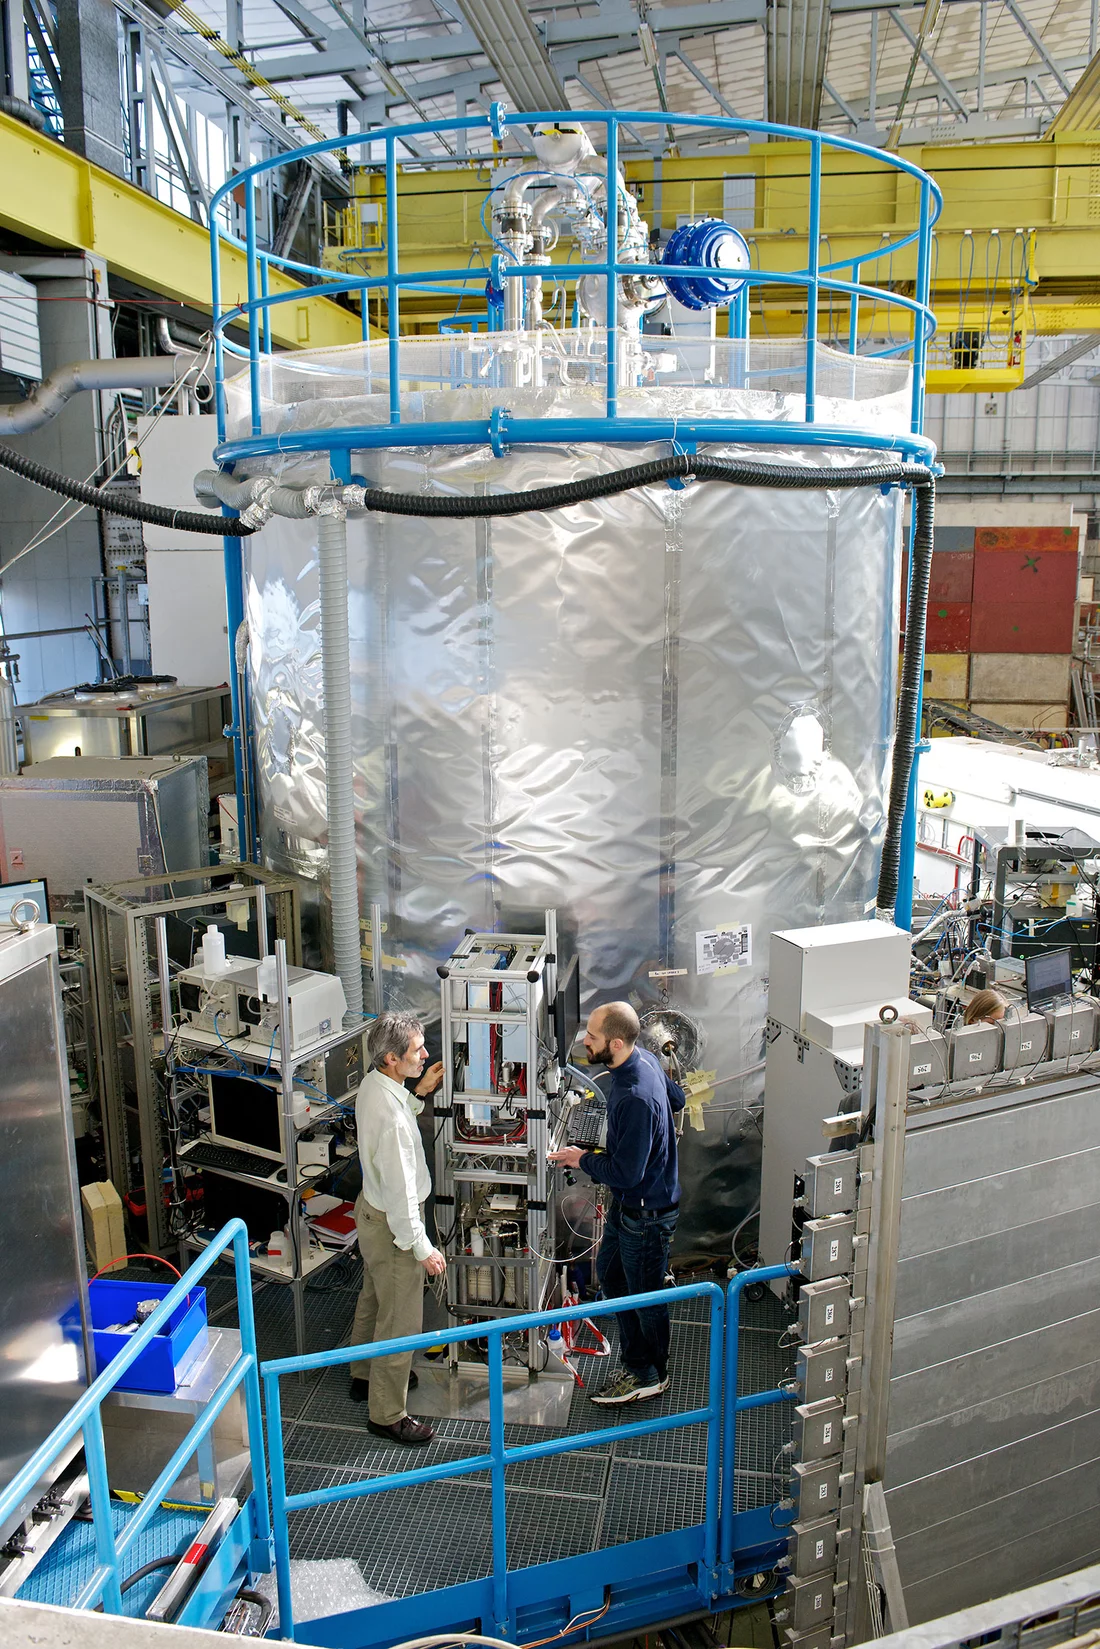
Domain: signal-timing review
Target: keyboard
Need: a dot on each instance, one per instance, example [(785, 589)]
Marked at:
[(205, 1154), (586, 1123)]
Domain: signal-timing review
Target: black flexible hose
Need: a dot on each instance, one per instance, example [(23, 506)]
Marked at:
[(907, 728), (146, 1569), (736, 473), (114, 504), (266, 1607)]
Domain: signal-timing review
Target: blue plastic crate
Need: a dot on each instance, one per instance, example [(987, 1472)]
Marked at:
[(158, 1367)]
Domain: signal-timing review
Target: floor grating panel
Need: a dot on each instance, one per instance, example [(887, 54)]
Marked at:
[(644, 1498), (414, 1540), (402, 1551)]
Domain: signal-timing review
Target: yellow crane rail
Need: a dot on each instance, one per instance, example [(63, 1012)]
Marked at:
[(55, 196)]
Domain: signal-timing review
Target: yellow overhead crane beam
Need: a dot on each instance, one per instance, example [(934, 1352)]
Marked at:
[(55, 196), (1017, 248)]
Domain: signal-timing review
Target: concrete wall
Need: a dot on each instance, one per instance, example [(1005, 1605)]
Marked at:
[(986, 511), (50, 588)]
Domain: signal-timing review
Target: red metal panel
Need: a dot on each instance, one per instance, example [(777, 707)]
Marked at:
[(1026, 538), (1048, 577), (1022, 627), (948, 627), (952, 577)]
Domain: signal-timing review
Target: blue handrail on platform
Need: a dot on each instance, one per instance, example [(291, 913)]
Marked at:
[(815, 279), (85, 1416), (499, 1456), (609, 1590), (708, 1551)]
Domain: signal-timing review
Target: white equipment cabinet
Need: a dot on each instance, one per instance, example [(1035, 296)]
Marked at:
[(826, 985)]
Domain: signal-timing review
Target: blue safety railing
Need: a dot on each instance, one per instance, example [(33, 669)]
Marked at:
[(844, 278), (520, 1605), (815, 280), (734, 1405), (507, 1591), (103, 1585)]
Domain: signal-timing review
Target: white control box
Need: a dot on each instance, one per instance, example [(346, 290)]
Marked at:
[(825, 986), (843, 1030), (838, 969)]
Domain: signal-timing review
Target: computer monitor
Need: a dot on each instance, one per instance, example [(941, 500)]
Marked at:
[(12, 892), (1048, 978), (246, 1114), (567, 1010)]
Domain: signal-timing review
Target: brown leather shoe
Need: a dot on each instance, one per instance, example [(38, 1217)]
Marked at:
[(406, 1430)]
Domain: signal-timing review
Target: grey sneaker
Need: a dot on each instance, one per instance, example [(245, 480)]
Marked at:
[(627, 1388)]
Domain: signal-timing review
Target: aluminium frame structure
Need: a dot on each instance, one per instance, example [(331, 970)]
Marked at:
[(126, 1005)]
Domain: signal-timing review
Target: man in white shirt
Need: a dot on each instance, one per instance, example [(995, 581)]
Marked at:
[(389, 1216)]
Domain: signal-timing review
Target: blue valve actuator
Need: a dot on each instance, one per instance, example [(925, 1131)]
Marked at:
[(709, 244)]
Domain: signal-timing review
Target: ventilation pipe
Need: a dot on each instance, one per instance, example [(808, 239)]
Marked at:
[(129, 372), (257, 499), (343, 874)]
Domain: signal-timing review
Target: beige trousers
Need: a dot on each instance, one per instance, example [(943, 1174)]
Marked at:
[(390, 1306)]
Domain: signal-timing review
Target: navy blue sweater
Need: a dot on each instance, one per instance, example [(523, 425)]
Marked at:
[(639, 1161)]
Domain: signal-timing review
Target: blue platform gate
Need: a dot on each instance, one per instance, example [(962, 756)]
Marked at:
[(605, 1592)]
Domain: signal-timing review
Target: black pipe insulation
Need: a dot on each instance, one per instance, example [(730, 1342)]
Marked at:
[(111, 503), (738, 473)]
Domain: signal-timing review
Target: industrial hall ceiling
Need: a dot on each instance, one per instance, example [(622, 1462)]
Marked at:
[(887, 74)]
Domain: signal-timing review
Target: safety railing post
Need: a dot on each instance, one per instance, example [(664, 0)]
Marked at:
[(393, 311), (714, 1444), (106, 1548), (216, 313), (813, 267), (252, 261), (252, 1405), (280, 1526), (265, 292), (853, 314), (920, 319), (499, 1506), (732, 1405), (612, 197)]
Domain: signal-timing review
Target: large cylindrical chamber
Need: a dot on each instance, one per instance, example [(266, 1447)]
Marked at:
[(666, 714)]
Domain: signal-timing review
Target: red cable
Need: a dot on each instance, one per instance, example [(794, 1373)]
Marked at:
[(158, 1257)]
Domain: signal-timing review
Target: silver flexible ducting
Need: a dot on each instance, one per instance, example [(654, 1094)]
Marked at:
[(332, 553), (130, 372)]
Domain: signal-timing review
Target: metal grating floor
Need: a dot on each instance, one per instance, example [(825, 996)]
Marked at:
[(71, 1561), (415, 1540)]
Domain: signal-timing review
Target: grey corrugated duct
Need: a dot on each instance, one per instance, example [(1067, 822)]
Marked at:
[(131, 372), (343, 876), (257, 499)]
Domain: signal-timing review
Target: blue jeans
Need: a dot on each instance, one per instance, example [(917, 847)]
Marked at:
[(633, 1259)]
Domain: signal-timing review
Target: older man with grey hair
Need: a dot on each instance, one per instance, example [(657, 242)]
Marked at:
[(389, 1217)]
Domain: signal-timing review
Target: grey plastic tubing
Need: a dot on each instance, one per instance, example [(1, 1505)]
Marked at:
[(343, 870)]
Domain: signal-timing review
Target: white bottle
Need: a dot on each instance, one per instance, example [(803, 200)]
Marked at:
[(277, 1246), (213, 951), (266, 986)]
